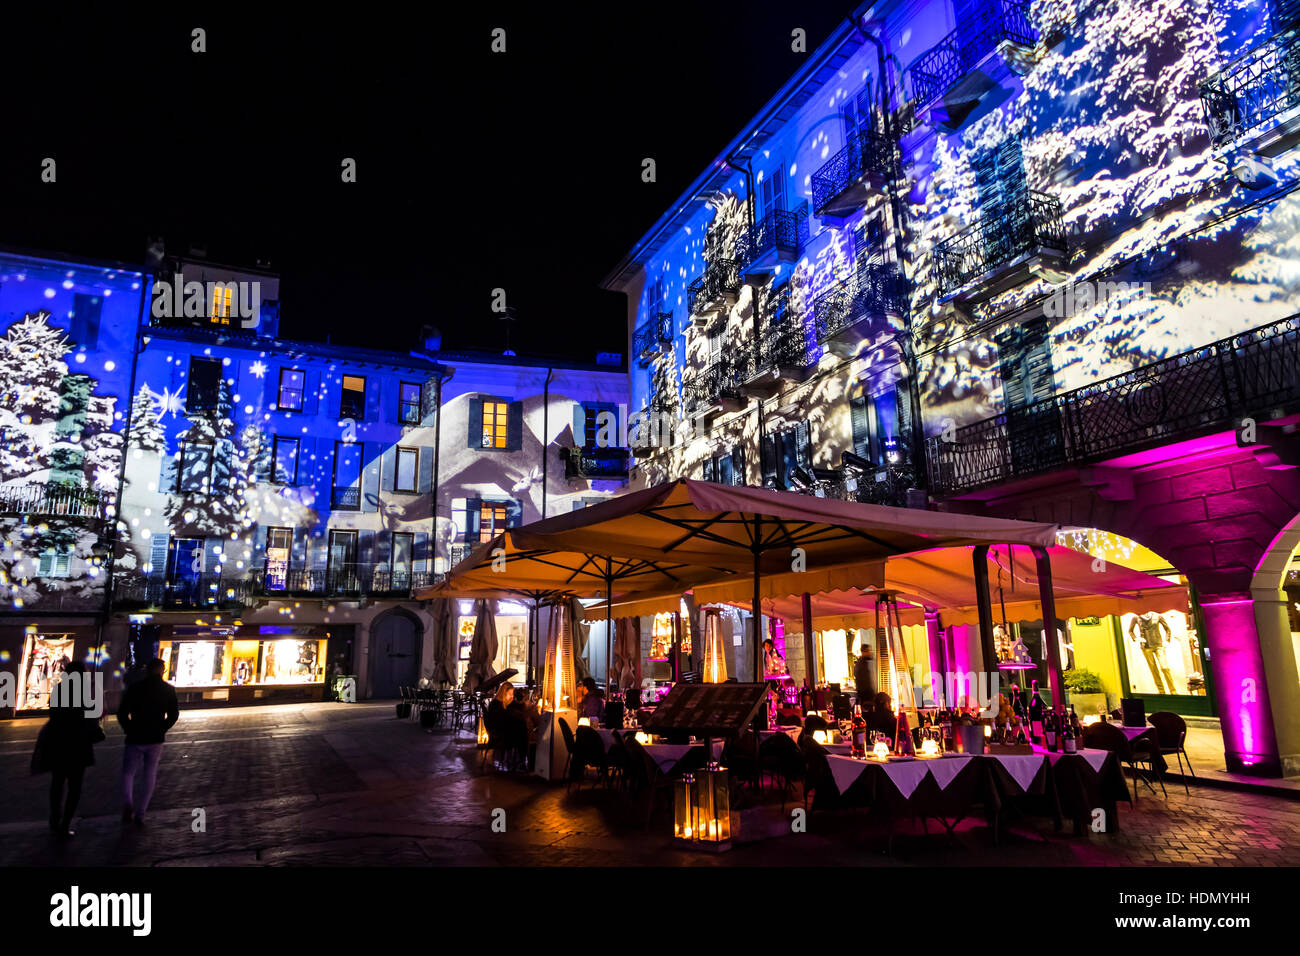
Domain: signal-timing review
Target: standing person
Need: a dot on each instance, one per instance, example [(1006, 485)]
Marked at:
[(862, 681), (66, 749), (148, 711)]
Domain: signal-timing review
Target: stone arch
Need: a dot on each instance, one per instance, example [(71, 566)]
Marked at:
[(1277, 648), (396, 641)]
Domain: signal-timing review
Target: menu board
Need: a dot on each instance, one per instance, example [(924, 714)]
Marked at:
[(715, 710)]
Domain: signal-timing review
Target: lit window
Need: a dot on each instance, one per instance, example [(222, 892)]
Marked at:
[(222, 304), (495, 422), (353, 402), (491, 519)]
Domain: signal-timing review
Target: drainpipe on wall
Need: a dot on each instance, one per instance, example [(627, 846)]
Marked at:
[(121, 472), (546, 426), (900, 246), (437, 448)]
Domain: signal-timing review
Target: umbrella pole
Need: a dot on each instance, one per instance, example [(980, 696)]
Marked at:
[(809, 645), (1048, 600), (757, 613), (984, 602), (609, 629), (677, 646), (532, 633)]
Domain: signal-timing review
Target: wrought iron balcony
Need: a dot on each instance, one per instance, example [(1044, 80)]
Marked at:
[(1001, 249), (777, 237), (996, 40), (780, 353), (1254, 101), (844, 182), (346, 499), (1198, 392), (651, 429), (595, 463), (235, 592), (714, 389), (858, 308), (654, 338), (156, 590), (715, 290), (51, 500), (456, 553)]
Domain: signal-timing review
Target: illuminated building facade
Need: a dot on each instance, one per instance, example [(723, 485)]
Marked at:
[(1029, 259), (276, 497)]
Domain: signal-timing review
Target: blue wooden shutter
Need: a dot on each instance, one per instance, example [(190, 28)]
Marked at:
[(420, 552), (425, 482), (388, 468), (374, 403), (770, 461), (476, 423), (738, 465), (311, 392), (579, 425), (515, 426), (370, 464), (861, 433)]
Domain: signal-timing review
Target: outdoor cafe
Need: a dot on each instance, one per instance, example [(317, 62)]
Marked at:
[(719, 609)]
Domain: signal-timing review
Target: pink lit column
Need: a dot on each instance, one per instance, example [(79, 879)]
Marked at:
[(938, 657), (1240, 689)]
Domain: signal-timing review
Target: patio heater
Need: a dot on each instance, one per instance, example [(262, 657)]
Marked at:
[(559, 693), (715, 661), (888, 602)]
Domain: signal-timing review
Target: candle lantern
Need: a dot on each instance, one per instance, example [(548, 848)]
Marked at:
[(715, 661), (684, 808), (881, 750), (482, 736), (711, 807)]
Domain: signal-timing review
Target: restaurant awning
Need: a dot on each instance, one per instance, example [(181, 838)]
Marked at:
[(942, 579)]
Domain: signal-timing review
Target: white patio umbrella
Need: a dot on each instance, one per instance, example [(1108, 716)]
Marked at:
[(483, 648)]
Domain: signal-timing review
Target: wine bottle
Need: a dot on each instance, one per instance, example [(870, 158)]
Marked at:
[(859, 745), (1036, 709), (1049, 730), (1069, 738)]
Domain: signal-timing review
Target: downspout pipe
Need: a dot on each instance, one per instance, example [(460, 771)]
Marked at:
[(145, 288), (900, 246), (546, 430), (443, 379)]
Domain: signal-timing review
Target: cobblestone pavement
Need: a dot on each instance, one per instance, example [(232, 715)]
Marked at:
[(328, 784)]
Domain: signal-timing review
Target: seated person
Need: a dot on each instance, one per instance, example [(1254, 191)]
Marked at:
[(881, 718), (592, 702)]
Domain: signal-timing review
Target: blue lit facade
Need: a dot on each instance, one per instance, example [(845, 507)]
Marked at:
[(1027, 259), (275, 501)]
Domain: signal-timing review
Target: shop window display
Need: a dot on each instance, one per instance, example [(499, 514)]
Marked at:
[(44, 657), (1162, 654), (209, 663)]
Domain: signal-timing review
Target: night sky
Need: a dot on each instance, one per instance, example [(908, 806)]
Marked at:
[(475, 170)]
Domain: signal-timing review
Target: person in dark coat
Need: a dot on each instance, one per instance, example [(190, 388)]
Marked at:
[(862, 676), (148, 710), (67, 749)]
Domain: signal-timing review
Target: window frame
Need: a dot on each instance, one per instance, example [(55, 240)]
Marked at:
[(266, 558), (397, 471), (486, 504), (275, 459), (500, 424), (344, 391), (402, 403), (302, 391), (190, 389), (180, 468), (334, 477)]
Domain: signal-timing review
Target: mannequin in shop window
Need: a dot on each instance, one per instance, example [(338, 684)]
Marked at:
[(1153, 633)]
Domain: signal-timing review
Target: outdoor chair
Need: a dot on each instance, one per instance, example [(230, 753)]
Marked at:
[(741, 757), (779, 757), (813, 723), (571, 750), (649, 777), (1106, 736), (617, 758), (589, 752), (817, 777), (1171, 735)]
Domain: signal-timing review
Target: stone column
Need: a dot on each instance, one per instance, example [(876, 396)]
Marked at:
[(1240, 686)]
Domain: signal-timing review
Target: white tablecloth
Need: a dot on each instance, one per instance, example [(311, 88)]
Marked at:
[(667, 755), (1132, 733), (907, 775)]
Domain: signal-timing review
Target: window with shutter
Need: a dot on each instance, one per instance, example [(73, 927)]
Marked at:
[(408, 462), (408, 403), (738, 465), (709, 473), (515, 426), (769, 461), (859, 417), (352, 400), (1026, 365), (204, 384), (723, 471), (284, 461), (292, 385), (494, 418)]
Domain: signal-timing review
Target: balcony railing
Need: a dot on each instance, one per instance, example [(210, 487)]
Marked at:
[(51, 499), (225, 591), (777, 237), (713, 386), (651, 428), (716, 288), (961, 51), (346, 499), (653, 338), (458, 552), (997, 237), (862, 163), (860, 305), (887, 485), (596, 463), (1197, 392), (1253, 89), (782, 346)]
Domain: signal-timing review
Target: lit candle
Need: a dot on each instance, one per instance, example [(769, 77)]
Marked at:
[(584, 722), (881, 750), (819, 736), (929, 748)]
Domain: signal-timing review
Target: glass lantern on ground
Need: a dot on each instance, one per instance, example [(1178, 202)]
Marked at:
[(702, 809)]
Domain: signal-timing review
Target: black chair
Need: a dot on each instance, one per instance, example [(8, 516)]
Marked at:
[(1171, 735), (818, 781), (779, 757), (647, 775), (1106, 736), (740, 756), (589, 751), (617, 759), (571, 750), (813, 723)]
